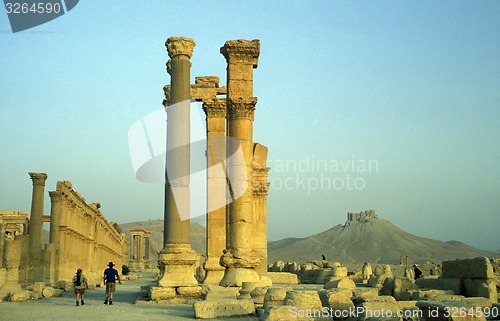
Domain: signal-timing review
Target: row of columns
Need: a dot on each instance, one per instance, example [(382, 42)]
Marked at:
[(236, 171)]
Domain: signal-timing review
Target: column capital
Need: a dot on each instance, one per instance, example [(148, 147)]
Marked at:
[(215, 108), (241, 108), (55, 196), (180, 46), (241, 51), (261, 189), (38, 178)]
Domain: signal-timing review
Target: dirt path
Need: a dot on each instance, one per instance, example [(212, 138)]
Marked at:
[(123, 308)]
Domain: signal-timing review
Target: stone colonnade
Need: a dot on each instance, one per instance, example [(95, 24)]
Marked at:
[(139, 249), (80, 237), (236, 165)]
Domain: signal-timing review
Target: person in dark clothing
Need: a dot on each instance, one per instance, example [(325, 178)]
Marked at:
[(323, 257), (80, 283), (110, 278), (418, 273)]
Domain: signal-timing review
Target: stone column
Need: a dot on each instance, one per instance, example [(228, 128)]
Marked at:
[(177, 259), (146, 248), (36, 227), (260, 186), (239, 258), (55, 217), (2, 244), (215, 110), (140, 248)]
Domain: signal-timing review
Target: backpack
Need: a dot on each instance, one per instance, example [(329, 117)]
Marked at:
[(78, 280)]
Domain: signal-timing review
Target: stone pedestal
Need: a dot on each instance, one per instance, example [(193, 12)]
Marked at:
[(177, 260), (35, 269), (240, 258)]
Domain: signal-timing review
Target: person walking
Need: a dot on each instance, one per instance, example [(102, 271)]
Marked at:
[(80, 283), (110, 278)]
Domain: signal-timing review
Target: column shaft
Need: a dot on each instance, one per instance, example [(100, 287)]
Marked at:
[(36, 227), (2, 244)]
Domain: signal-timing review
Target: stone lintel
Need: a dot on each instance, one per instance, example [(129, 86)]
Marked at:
[(204, 91), (241, 51), (38, 178), (180, 46), (45, 218)]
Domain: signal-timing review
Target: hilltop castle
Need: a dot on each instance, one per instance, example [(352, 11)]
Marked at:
[(363, 216)]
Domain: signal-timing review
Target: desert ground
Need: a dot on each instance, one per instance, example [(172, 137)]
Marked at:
[(123, 308)]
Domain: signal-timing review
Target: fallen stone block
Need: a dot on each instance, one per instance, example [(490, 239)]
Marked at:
[(344, 283), (358, 300), (223, 308), (476, 268), (365, 292), (324, 276), (189, 291), (450, 311), (38, 286), (20, 296), (50, 292), (221, 293), (453, 284), (429, 294), (337, 299), (275, 296), (161, 293), (303, 299), (258, 294), (481, 288), (283, 278), (378, 311)]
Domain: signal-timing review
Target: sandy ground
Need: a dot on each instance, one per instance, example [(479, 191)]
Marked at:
[(123, 308)]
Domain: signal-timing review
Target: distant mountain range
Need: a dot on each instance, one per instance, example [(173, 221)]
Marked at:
[(376, 241)]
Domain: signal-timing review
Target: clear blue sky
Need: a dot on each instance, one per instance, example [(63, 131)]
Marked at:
[(413, 86)]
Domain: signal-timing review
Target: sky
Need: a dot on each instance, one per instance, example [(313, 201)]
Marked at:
[(386, 105)]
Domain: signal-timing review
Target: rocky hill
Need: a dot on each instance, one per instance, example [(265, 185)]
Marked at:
[(361, 239), (373, 240)]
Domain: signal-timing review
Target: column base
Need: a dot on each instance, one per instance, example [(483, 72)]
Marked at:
[(234, 276), (214, 271), (178, 264)]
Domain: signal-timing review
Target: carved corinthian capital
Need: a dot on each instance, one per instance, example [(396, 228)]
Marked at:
[(55, 196), (38, 178), (215, 108), (241, 108), (180, 46), (241, 51)]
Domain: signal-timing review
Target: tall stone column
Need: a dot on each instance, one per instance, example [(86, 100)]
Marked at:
[(36, 227), (146, 248), (2, 244), (240, 258), (55, 217), (177, 259), (215, 110), (260, 186)]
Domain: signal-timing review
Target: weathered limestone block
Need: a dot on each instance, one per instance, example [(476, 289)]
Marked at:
[(378, 281), (20, 296), (223, 308), (161, 293), (358, 300), (479, 302), (35, 295), (430, 294), (38, 286), (356, 276), (50, 292), (275, 296), (324, 275), (278, 266), (69, 287), (309, 275), (337, 299), (365, 292), (344, 283), (410, 274), (265, 281), (378, 310), (292, 267), (189, 291), (379, 270), (400, 288), (214, 292), (454, 285), (303, 299), (334, 264), (476, 268), (283, 277), (258, 295), (367, 271), (443, 311), (339, 272), (406, 305), (482, 288), (281, 313)]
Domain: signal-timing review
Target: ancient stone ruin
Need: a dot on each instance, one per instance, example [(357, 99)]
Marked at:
[(75, 227), (139, 250), (236, 175)]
